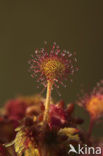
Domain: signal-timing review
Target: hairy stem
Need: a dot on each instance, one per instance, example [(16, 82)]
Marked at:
[(90, 127), (47, 103)]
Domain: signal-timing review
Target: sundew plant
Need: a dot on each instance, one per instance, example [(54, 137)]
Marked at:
[(39, 126)]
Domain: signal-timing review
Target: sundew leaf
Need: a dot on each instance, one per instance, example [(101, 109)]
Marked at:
[(19, 142), (35, 152), (71, 133), (9, 144), (18, 128), (31, 151)]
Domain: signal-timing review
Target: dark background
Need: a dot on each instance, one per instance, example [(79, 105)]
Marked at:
[(74, 24)]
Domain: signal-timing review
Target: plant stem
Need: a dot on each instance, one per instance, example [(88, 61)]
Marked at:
[(47, 103), (90, 127)]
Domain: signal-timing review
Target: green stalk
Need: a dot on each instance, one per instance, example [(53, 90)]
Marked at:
[(47, 102)]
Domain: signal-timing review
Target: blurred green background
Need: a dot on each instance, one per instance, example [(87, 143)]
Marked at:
[(74, 24)]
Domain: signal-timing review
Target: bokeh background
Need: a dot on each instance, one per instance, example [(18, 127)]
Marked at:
[(76, 25)]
